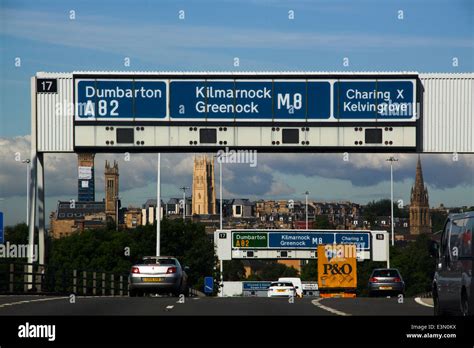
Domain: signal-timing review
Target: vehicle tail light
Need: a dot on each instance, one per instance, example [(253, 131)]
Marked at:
[(397, 280), (171, 270), (135, 270), (373, 280)]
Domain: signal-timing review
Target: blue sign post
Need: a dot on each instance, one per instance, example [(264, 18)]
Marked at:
[(2, 239), (208, 285)]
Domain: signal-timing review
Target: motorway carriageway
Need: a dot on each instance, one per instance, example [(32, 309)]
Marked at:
[(50, 305)]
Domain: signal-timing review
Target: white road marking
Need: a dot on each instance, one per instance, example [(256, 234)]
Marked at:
[(328, 309), (419, 301), (31, 301), (169, 307)]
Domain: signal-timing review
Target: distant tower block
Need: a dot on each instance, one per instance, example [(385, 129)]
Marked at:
[(420, 220), (86, 184), (111, 189), (204, 193)]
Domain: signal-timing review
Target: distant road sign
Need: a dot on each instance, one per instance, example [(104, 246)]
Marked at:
[(208, 285), (292, 240), (297, 239), (361, 240), (256, 286), (2, 239), (250, 239)]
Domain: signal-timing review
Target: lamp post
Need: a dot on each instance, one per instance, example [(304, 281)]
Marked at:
[(391, 160), (306, 196), (116, 212), (27, 161), (184, 188), (158, 205)]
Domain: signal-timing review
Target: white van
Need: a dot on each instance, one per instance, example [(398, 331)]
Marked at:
[(296, 283)]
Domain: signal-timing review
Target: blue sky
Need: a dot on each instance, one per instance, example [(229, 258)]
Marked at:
[(151, 34)]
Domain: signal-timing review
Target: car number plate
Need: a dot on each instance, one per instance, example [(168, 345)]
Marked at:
[(386, 288), (281, 290), (152, 280)]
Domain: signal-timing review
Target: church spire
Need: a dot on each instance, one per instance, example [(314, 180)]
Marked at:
[(420, 220), (419, 183)]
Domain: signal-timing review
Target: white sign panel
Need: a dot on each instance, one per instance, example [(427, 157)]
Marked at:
[(85, 172)]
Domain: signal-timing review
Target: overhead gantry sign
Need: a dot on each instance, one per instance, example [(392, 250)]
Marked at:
[(270, 112), (297, 244)]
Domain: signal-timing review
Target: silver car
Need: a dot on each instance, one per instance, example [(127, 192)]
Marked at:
[(386, 281), (158, 274)]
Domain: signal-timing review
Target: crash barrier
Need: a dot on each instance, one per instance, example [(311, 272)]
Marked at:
[(28, 278)]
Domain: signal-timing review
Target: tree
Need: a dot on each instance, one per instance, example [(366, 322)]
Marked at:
[(381, 208), (274, 270), (116, 251), (438, 218), (415, 264), (310, 271), (321, 222), (234, 270), (17, 234)]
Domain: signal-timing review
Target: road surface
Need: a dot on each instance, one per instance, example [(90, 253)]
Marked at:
[(170, 306)]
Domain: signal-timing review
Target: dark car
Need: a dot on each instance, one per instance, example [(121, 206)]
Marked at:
[(386, 281), (453, 289)]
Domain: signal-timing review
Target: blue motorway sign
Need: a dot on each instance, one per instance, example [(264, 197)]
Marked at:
[(120, 99), (2, 238), (362, 240), (262, 100), (374, 99), (246, 100), (256, 286), (208, 285), (298, 240)]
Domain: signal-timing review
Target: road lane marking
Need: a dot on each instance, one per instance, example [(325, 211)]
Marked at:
[(169, 307), (31, 301), (420, 301), (328, 309)]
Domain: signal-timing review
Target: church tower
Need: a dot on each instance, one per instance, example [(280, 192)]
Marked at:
[(420, 220), (111, 189), (204, 194)]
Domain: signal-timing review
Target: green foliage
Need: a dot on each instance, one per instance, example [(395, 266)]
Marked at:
[(273, 271), (415, 264), (116, 251), (17, 234), (438, 218), (381, 208), (310, 271), (321, 222), (234, 270)]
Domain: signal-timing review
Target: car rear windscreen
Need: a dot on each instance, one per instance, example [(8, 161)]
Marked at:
[(167, 262), (386, 273)]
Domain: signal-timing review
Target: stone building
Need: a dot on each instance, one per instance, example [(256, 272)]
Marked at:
[(204, 193), (420, 219), (111, 190)]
